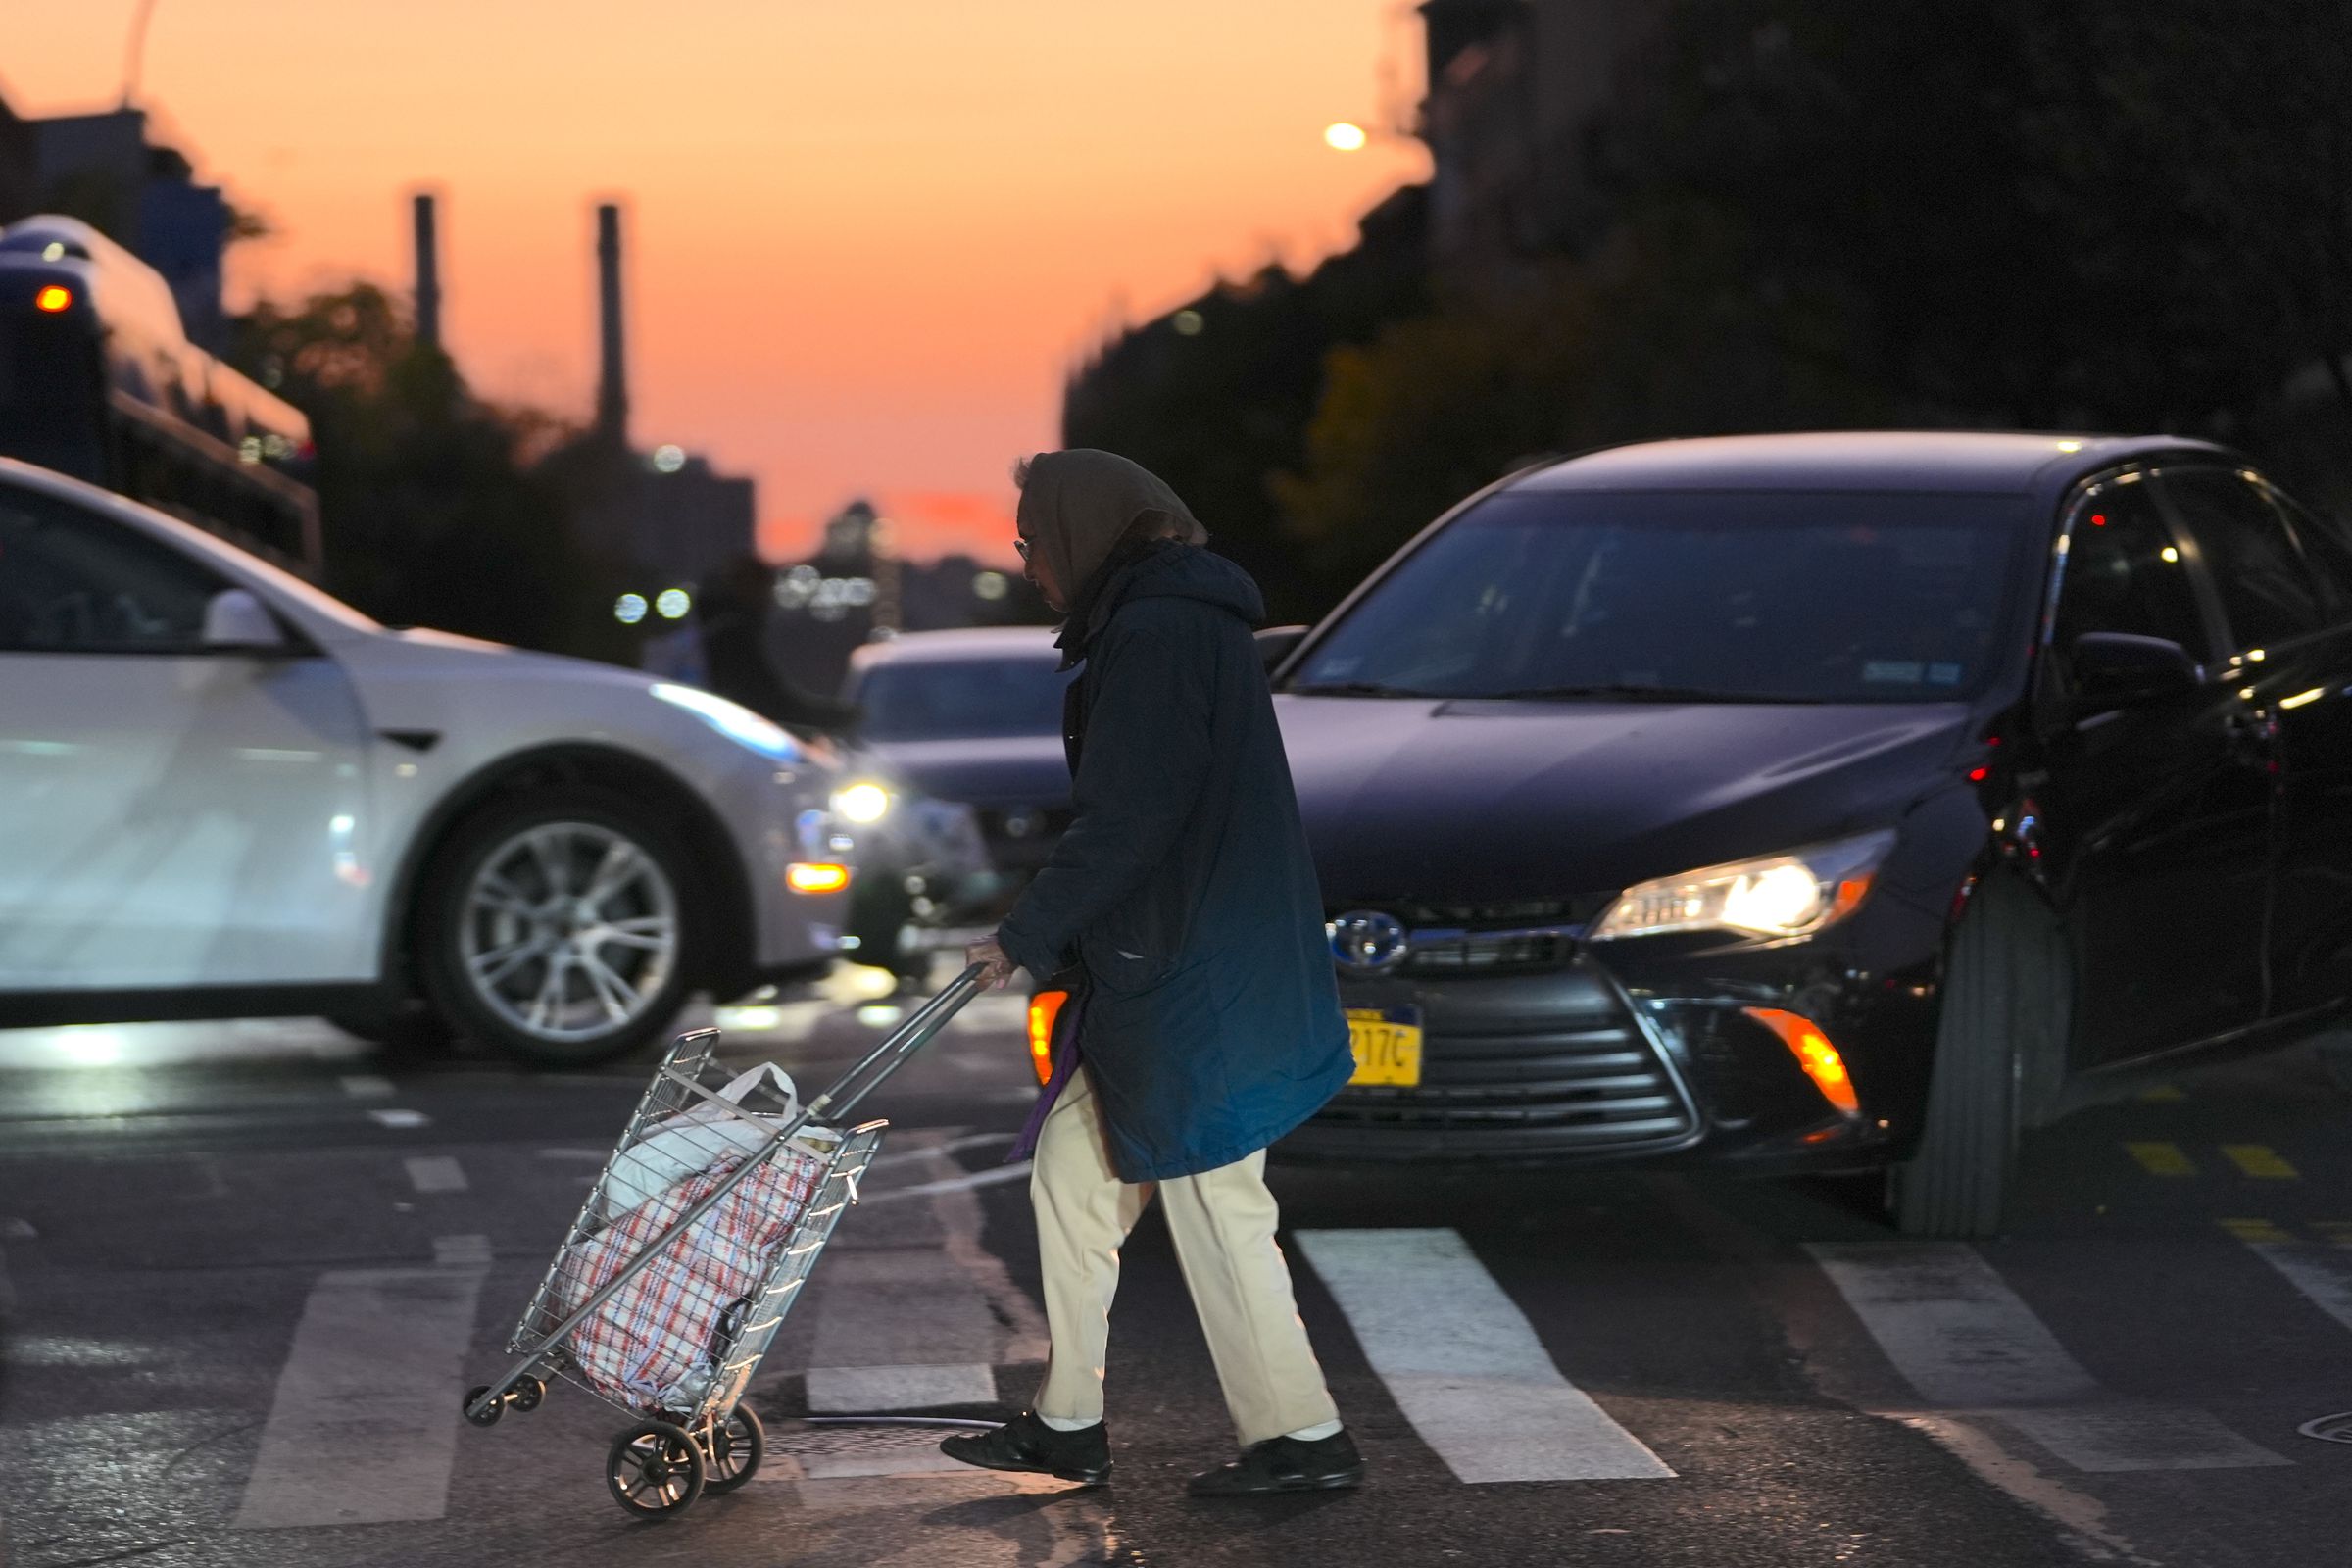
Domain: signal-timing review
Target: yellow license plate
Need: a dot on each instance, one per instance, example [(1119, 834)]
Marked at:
[(1386, 1043)]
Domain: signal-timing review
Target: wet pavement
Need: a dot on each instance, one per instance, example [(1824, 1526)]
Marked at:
[(253, 1267)]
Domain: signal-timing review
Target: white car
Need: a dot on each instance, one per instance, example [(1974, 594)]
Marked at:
[(223, 793)]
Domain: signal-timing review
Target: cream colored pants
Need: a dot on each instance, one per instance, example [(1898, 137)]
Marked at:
[(1223, 1222)]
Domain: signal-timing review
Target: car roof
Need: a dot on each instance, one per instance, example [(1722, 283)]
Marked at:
[(1984, 461), (961, 645)]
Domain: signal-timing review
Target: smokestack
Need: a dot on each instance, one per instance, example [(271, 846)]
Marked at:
[(611, 386), (428, 274)]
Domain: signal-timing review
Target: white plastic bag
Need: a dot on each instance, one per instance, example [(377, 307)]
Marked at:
[(679, 1148)]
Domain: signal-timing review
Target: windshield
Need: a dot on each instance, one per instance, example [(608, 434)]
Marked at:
[(1764, 595), (923, 700)]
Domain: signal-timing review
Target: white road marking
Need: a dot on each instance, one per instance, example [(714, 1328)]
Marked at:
[(862, 1388), (367, 1086), (401, 1118), (597, 1154), (1968, 1345), (2321, 1270), (992, 1015), (1464, 1363), (461, 1251), (953, 1146), (993, 1176), (911, 1310), (436, 1173), (363, 1427)]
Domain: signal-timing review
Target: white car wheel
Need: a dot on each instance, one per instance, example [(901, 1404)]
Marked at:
[(560, 929)]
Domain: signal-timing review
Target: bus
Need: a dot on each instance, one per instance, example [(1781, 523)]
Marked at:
[(98, 380)]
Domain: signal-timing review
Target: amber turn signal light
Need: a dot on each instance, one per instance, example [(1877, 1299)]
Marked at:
[(1814, 1053), (1044, 1008), (52, 297), (803, 877)]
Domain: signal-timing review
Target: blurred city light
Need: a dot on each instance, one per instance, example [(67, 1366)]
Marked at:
[(1345, 138), (1189, 323), (53, 297), (863, 802), (671, 603), (669, 458), (989, 585), (629, 609)]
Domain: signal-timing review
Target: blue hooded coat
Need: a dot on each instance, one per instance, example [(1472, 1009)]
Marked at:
[(1212, 1024)]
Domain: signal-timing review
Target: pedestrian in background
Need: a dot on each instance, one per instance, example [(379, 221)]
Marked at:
[(1207, 1020), (733, 608)]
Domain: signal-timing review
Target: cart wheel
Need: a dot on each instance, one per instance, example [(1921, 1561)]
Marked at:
[(736, 1450), (485, 1418), (527, 1394), (654, 1470)]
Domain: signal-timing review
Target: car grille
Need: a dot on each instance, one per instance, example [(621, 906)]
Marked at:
[(1589, 1080), (1490, 952), (1528, 936)]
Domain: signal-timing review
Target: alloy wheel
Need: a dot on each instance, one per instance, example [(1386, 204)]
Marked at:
[(568, 931)]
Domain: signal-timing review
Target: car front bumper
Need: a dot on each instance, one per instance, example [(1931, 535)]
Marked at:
[(1644, 1049)]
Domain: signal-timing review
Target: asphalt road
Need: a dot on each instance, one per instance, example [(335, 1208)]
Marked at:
[(254, 1266)]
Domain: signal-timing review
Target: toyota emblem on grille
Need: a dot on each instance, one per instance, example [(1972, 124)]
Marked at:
[(1365, 940)]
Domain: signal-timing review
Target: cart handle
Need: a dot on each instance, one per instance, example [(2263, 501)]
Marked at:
[(844, 1094)]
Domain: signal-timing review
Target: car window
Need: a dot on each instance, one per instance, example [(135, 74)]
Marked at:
[(2266, 591), (962, 699), (2124, 572), (1780, 596), (75, 582), (2327, 550)]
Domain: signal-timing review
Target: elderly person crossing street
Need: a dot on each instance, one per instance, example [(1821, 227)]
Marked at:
[(1205, 1022)]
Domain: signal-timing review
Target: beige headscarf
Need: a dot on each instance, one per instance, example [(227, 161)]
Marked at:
[(1077, 503)]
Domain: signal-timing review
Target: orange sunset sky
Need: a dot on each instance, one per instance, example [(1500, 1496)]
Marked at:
[(866, 239)]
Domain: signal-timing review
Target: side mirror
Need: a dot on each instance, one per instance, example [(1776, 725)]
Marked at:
[(236, 622), (1274, 643), (2117, 669)]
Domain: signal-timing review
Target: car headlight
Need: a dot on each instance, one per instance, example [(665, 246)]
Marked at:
[(864, 803), (735, 721), (1790, 895)]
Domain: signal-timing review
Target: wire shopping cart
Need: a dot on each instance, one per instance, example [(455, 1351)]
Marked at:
[(692, 1245)]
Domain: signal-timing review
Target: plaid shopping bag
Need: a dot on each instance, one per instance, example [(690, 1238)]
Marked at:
[(661, 1329)]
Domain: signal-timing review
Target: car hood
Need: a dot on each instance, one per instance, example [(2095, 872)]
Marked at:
[(993, 771), (1492, 801)]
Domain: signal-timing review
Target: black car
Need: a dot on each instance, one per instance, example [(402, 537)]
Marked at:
[(973, 717), (1825, 803)]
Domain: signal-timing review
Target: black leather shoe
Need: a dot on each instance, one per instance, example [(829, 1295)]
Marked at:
[(1285, 1464), (1028, 1444)]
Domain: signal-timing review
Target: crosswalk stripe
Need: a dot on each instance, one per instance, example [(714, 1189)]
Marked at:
[(2259, 1162), (911, 1311), (363, 1427), (1464, 1364), (2162, 1159), (436, 1173), (2321, 1270), (1966, 1341)]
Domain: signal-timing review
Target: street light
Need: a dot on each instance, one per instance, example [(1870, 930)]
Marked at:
[(1344, 137)]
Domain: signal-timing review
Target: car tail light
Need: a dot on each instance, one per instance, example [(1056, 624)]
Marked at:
[(803, 877), (1814, 1053), (1044, 1008)]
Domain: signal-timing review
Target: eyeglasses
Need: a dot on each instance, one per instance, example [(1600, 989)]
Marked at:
[(1021, 547)]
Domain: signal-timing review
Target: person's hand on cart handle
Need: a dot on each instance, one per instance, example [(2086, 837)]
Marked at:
[(1000, 966)]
